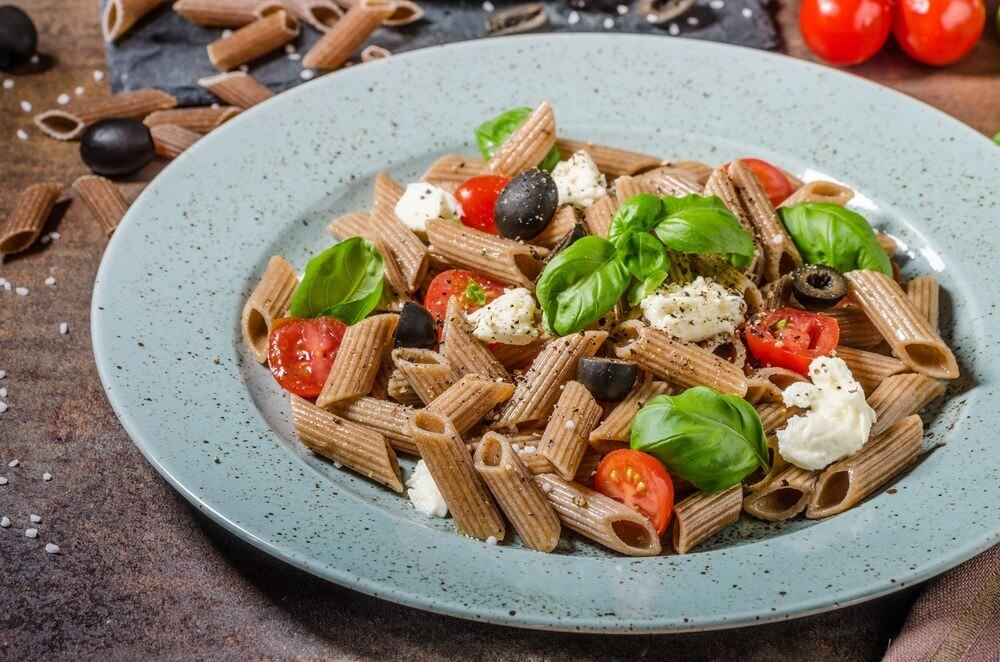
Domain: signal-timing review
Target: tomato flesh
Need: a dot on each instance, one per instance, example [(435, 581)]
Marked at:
[(641, 482), (791, 338), (938, 32), (845, 32), (776, 185), (455, 282), (478, 197), (300, 352)]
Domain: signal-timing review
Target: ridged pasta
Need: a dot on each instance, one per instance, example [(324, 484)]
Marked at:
[(103, 199), (469, 399), (563, 222), (119, 16), (777, 293), (900, 396), (268, 301), (69, 123), (856, 330), (782, 497), (253, 40), (358, 359), (518, 356), (170, 140), (719, 184), (218, 13), (451, 170), (506, 260), (614, 431), (398, 388), (611, 161), (389, 419), (773, 415), (819, 191), (925, 294), (528, 144), (237, 88), (343, 38), (200, 119), (597, 217), (701, 515), (27, 216), (427, 372), (758, 477), (568, 430), (628, 187), (869, 369), (464, 352), (670, 181)]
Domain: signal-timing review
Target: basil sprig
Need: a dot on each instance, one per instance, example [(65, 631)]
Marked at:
[(829, 234), (708, 438), (699, 224), (344, 281), (493, 132)]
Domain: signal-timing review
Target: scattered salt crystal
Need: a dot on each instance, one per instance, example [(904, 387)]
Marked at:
[(546, 488), (747, 12), (3, 408), (8, 84), (227, 33), (488, 6), (569, 424), (289, 48), (338, 465), (516, 447), (54, 235), (7, 286), (652, 18), (51, 280), (215, 106), (35, 519), (31, 533), (21, 291), (62, 99), (295, 57), (307, 74), (13, 463), (244, 68), (717, 4), (78, 91), (34, 59), (3, 481), (98, 75), (26, 106), (609, 23), (3, 374), (3, 392), (46, 476), (692, 20), (5, 522), (63, 328), (673, 30), (573, 18), (492, 540), (22, 134), (51, 548), (622, 9)]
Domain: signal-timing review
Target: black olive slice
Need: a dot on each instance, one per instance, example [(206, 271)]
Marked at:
[(818, 287), (607, 379), (416, 328), (116, 147), (526, 205), (18, 37)]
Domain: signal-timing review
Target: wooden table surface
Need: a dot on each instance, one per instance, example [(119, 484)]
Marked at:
[(141, 573)]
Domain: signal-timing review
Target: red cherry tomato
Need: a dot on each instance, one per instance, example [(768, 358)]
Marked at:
[(791, 338), (300, 352), (639, 481), (455, 282), (478, 196), (775, 182), (845, 32), (938, 32)]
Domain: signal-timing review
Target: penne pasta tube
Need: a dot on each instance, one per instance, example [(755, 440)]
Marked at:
[(393, 273), (780, 377), (760, 390), (856, 330), (869, 368), (428, 374), (627, 187), (819, 191), (599, 518), (344, 37), (253, 40), (452, 169), (453, 471), (69, 123), (616, 428), (720, 185), (567, 433), (758, 478), (778, 293), (406, 12), (468, 400), (389, 419), (27, 216), (321, 14), (170, 140), (539, 464), (611, 161), (528, 144), (519, 497), (782, 497), (268, 301), (563, 222), (237, 88), (701, 515), (356, 447), (398, 388), (198, 119), (698, 171), (908, 333), (464, 352), (409, 252), (924, 292), (372, 52), (773, 415), (506, 260), (518, 356), (358, 359), (597, 217), (670, 181), (103, 199), (380, 387), (900, 396), (119, 16), (845, 483), (218, 13)]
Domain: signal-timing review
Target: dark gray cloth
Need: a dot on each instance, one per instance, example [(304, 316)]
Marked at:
[(165, 51)]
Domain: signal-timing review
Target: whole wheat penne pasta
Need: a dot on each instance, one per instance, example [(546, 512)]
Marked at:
[(68, 123), (925, 294), (869, 368), (761, 390), (354, 224), (393, 273), (599, 518), (409, 252), (464, 352), (237, 88), (907, 331), (170, 140), (428, 373), (506, 260), (356, 447), (253, 40), (887, 243), (846, 483), (758, 477), (528, 144), (358, 359), (627, 186), (780, 377), (668, 180), (856, 330), (516, 492), (103, 199), (518, 356), (563, 222), (199, 119), (536, 394), (344, 37), (268, 301), (389, 419), (406, 12), (567, 433), (721, 185), (701, 515), (698, 171), (597, 217), (819, 192), (380, 387), (373, 52), (729, 348), (611, 161), (615, 430), (218, 13), (779, 251), (783, 497), (777, 293), (119, 16), (535, 462), (399, 389), (321, 14), (900, 396), (772, 415), (539, 464), (451, 466), (468, 400), (452, 169), (27, 216)]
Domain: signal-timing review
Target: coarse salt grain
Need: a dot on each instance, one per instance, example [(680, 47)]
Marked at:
[(546, 488), (46, 476), (13, 463), (21, 291), (573, 18), (3, 408), (215, 106), (54, 235), (35, 519), (3, 481), (3, 374), (98, 75), (31, 533), (692, 20), (570, 424), (609, 23), (530, 449), (289, 48), (22, 134), (747, 12), (673, 30), (78, 91), (492, 540), (8, 84), (7, 286), (3, 392), (26, 106), (307, 74), (63, 328), (244, 68), (338, 465), (488, 6), (51, 548), (227, 33), (34, 59), (62, 99), (717, 4), (622, 10), (51, 280), (5, 522)]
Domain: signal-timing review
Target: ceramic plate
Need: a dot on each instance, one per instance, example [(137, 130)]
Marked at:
[(168, 296)]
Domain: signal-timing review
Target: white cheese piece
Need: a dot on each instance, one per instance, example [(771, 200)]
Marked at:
[(508, 319), (424, 493), (700, 310), (422, 202), (579, 181), (836, 419)]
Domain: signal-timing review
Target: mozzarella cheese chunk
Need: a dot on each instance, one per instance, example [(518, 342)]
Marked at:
[(700, 310), (579, 181), (424, 493), (836, 419), (508, 319), (422, 202)]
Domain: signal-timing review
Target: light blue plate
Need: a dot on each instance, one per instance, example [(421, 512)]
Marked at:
[(169, 292)]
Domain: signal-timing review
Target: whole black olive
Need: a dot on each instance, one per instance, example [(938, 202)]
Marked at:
[(607, 379), (18, 37), (416, 327), (818, 287), (526, 205), (116, 147)]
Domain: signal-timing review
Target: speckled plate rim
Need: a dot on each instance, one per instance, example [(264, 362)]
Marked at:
[(110, 353)]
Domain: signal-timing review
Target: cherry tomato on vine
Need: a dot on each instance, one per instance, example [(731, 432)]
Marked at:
[(776, 185), (300, 352), (640, 481), (478, 196), (938, 32), (845, 32)]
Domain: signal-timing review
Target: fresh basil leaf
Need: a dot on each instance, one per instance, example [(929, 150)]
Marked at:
[(646, 258), (580, 284), (344, 281), (829, 234), (493, 132), (475, 293), (640, 213), (708, 438), (698, 224)]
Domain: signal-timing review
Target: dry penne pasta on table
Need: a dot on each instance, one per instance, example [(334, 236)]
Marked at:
[(576, 339)]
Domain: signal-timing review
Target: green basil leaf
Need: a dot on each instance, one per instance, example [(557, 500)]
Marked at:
[(580, 284), (344, 281), (640, 213), (708, 438), (698, 224), (643, 288), (493, 132), (646, 258), (829, 234), (475, 293)]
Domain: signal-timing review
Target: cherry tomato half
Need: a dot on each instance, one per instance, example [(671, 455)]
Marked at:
[(845, 32), (938, 32), (455, 282), (478, 196), (791, 338), (300, 352), (773, 180), (639, 481)]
